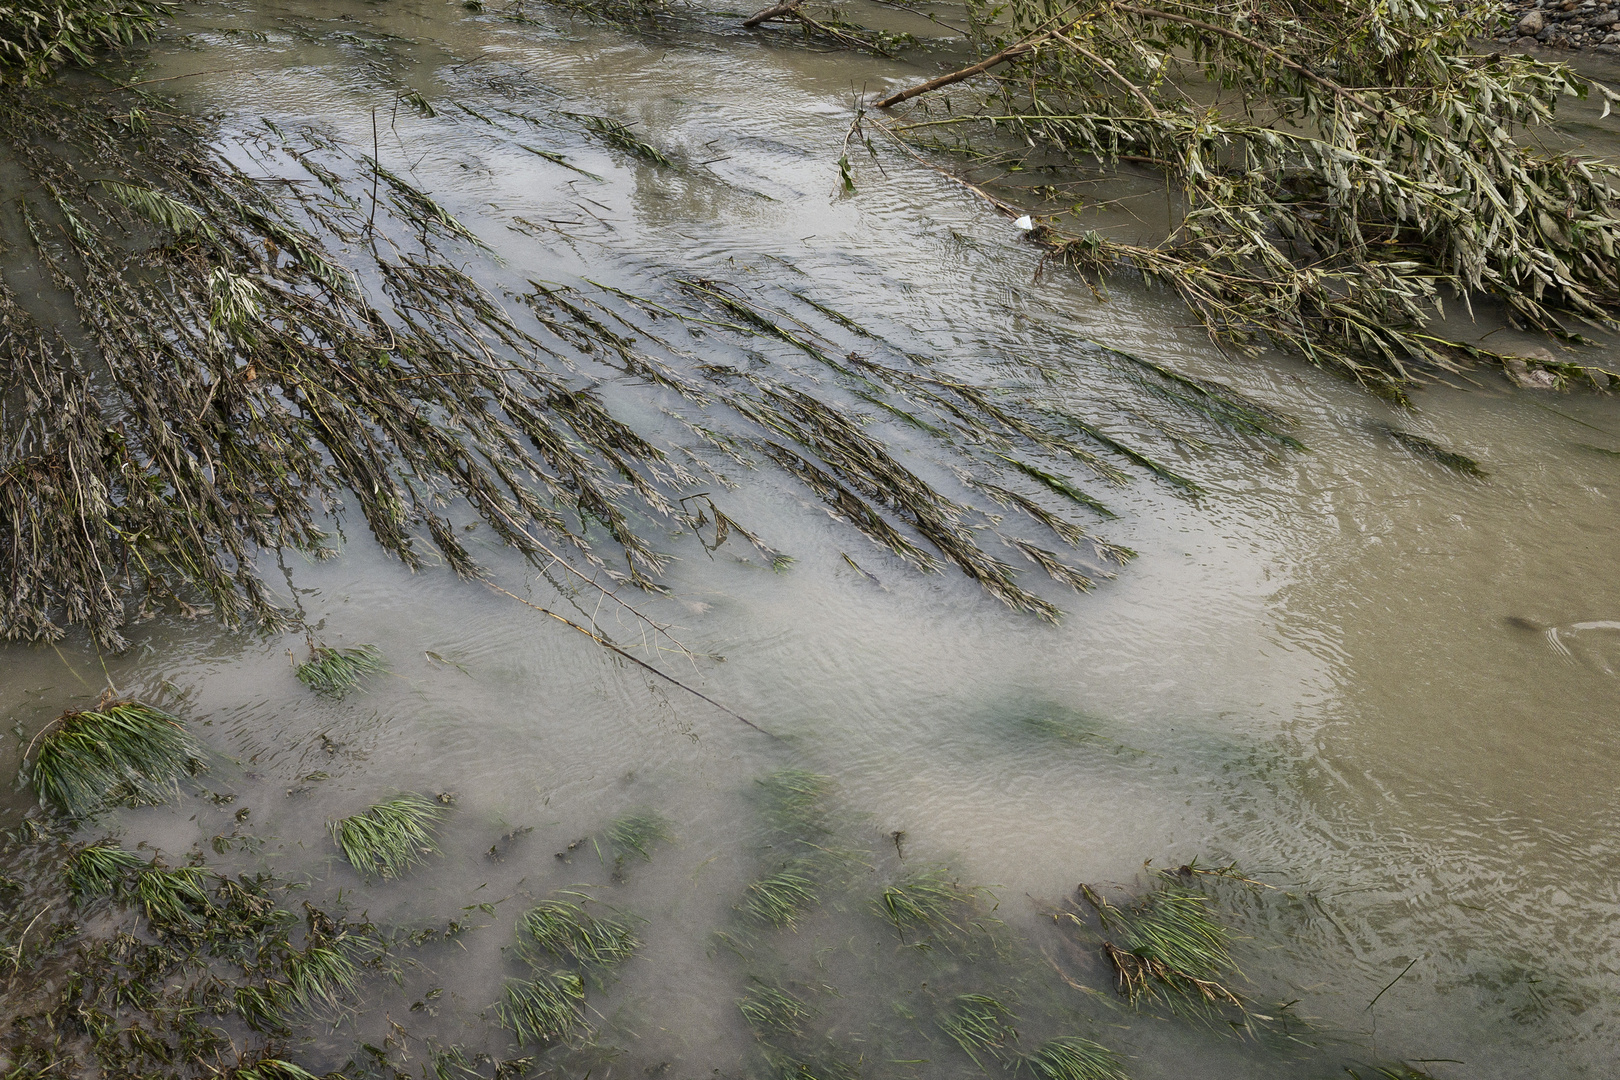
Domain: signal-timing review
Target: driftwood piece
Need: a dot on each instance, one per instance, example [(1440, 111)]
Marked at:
[(776, 11), (1011, 52)]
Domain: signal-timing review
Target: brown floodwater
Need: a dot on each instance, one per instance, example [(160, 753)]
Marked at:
[(1385, 689)]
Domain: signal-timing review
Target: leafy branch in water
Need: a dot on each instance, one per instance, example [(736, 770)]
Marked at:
[(38, 36), (1342, 169), (238, 388)]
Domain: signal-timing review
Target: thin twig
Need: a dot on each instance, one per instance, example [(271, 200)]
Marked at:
[(611, 647)]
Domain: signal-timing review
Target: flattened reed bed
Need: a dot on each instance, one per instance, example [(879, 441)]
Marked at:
[(1356, 166), (257, 385)]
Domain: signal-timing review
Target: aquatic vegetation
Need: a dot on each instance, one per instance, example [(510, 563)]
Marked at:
[(246, 342), (1167, 945), (318, 977), (795, 800), (100, 870), (1358, 164), (616, 134), (639, 832), (123, 752), (1386, 1072), (928, 899), (391, 837), (334, 672), (1428, 448), (567, 931), (37, 36), (980, 1024), (271, 1069), (1072, 1058), (780, 898), (772, 1011), (177, 897), (786, 1065), (544, 1009)]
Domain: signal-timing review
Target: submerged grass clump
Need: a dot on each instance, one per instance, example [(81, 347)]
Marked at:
[(1073, 1058), (567, 931), (800, 827), (1428, 448), (175, 897), (100, 870), (391, 837), (780, 898), (1167, 945), (319, 976), (544, 1009), (639, 832), (125, 752), (334, 672), (271, 1069), (928, 899), (980, 1024), (795, 800), (772, 1012)]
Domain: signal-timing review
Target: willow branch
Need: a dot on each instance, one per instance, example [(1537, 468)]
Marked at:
[(1011, 52), (776, 11)]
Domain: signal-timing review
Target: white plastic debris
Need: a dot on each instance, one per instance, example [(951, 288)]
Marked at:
[(1024, 223)]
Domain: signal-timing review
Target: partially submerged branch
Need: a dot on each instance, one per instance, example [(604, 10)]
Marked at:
[(1340, 169)]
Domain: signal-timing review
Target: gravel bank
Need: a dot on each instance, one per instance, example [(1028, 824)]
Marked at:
[(1563, 24)]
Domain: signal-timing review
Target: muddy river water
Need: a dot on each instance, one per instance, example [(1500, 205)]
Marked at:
[(1385, 690)]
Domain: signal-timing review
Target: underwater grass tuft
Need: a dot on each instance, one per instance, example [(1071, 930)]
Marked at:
[(271, 1069), (639, 831), (100, 870), (979, 1023), (926, 899), (1428, 448), (795, 800), (125, 752), (318, 976), (1073, 1058), (771, 1010), (544, 1009), (1168, 945), (566, 930), (175, 898), (780, 898), (334, 672), (389, 838)]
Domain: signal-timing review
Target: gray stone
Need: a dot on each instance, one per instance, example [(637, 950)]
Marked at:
[(1608, 18), (1532, 24)]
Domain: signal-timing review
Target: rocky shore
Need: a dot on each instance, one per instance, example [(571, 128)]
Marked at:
[(1563, 24)]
